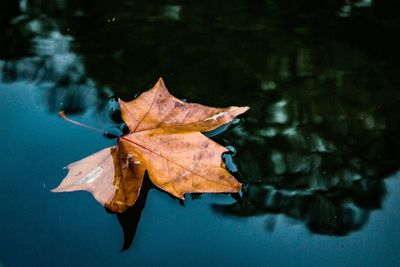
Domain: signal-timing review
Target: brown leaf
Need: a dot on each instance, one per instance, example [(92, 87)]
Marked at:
[(165, 140), (157, 108), (85, 174), (107, 174), (182, 162)]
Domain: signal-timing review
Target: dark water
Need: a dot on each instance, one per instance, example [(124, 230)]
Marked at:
[(319, 152)]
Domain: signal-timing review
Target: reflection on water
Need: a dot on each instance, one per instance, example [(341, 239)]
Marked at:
[(49, 62), (318, 147), (321, 136)]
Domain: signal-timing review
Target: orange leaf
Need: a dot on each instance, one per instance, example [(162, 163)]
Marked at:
[(165, 140), (157, 108)]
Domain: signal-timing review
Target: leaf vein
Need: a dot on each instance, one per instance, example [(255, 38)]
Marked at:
[(148, 111)]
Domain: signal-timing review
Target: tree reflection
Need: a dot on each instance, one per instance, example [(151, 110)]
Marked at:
[(319, 155), (38, 52)]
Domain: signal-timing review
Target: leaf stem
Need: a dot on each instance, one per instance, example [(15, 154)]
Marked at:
[(62, 115)]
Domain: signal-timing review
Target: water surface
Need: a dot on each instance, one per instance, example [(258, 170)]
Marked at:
[(318, 153)]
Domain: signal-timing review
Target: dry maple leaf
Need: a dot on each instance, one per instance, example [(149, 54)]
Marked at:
[(165, 140)]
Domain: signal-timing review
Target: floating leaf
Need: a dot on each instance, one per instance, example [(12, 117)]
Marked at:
[(165, 140)]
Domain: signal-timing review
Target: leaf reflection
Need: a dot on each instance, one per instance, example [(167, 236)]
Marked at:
[(129, 220)]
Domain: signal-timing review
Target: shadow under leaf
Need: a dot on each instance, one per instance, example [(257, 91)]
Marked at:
[(129, 220)]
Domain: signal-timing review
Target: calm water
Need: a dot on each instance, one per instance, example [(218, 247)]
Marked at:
[(319, 152)]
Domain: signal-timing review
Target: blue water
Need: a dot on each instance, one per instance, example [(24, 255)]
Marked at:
[(42, 228)]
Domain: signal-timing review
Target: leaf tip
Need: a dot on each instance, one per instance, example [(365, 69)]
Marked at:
[(160, 82), (55, 190), (238, 187), (121, 102), (243, 109)]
